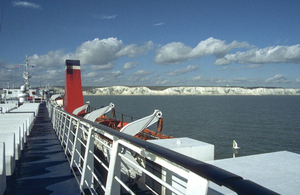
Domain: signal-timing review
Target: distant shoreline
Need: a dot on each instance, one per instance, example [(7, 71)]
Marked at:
[(190, 90)]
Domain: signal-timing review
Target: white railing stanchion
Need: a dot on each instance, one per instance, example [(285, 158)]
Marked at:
[(112, 185), (64, 137), (76, 145), (61, 126), (87, 180), (196, 184), (70, 136)]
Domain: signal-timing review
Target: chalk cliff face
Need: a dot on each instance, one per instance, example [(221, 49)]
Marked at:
[(123, 90)]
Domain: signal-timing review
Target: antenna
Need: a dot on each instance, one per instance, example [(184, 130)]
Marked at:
[(26, 74)]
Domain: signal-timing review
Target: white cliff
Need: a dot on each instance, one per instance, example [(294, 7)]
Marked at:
[(123, 90)]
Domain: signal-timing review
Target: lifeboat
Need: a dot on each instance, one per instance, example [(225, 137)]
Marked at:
[(73, 103), (145, 134)]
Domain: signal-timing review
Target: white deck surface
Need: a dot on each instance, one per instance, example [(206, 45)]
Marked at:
[(278, 171), (187, 146)]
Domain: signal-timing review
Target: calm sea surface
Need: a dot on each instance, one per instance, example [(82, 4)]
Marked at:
[(259, 124)]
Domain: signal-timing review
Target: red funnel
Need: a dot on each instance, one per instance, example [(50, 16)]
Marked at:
[(73, 87)]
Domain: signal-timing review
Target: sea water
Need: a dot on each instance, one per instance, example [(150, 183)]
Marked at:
[(259, 124)]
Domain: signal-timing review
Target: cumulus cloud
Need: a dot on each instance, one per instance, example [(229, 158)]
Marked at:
[(130, 65), (277, 54), (176, 52), (101, 54), (26, 4), (278, 78), (98, 52), (116, 73), (140, 76), (188, 69), (56, 77), (51, 60), (133, 50)]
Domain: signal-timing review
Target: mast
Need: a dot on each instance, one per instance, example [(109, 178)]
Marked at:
[(27, 75)]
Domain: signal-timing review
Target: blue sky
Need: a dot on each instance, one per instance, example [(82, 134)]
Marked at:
[(153, 43)]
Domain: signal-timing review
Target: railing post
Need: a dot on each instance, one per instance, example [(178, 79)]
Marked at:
[(166, 177), (60, 125), (53, 116), (196, 184), (70, 136), (54, 113), (112, 186), (76, 145), (56, 120), (88, 162), (63, 137)]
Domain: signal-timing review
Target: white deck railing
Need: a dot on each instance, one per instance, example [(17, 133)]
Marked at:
[(124, 159)]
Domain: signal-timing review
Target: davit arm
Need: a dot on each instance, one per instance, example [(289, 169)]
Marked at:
[(141, 124), (96, 113)]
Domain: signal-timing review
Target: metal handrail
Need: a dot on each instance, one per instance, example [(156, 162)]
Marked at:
[(187, 164)]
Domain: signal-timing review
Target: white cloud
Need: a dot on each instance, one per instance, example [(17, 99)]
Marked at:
[(98, 52), (26, 4), (253, 66), (161, 82), (90, 75), (278, 78), (108, 66), (116, 73), (158, 24), (277, 54), (225, 68), (108, 17), (96, 55), (233, 81), (52, 60), (142, 72), (133, 50), (130, 65), (140, 76), (100, 80), (188, 69), (51, 77), (176, 52), (101, 54), (197, 78)]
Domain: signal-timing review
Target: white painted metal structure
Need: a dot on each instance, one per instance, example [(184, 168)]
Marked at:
[(15, 125), (139, 125), (96, 113), (79, 137)]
